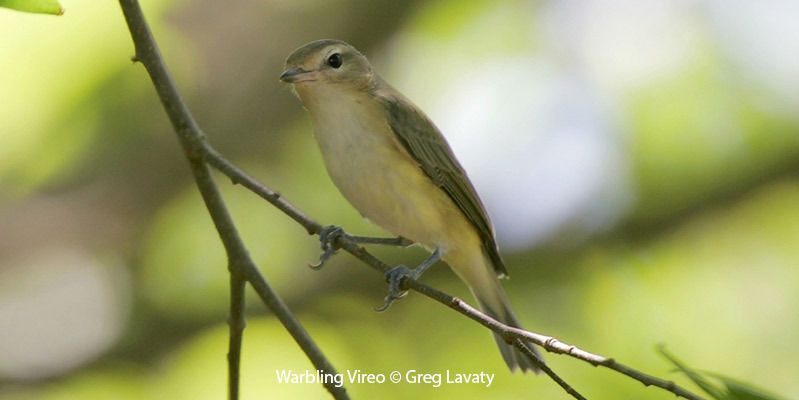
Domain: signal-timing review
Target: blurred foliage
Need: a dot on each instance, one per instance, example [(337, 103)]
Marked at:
[(703, 257), (47, 143), (702, 133)]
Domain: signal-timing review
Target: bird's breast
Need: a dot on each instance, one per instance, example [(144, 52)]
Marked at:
[(378, 177)]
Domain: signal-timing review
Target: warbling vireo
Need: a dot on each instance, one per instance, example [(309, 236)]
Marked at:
[(394, 166)]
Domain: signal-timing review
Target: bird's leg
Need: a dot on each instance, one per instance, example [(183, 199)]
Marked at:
[(398, 241), (395, 276), (330, 234)]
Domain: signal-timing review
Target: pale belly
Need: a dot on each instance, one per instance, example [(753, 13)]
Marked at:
[(386, 186)]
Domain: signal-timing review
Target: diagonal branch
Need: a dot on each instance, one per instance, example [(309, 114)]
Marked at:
[(240, 263), (519, 344), (511, 334)]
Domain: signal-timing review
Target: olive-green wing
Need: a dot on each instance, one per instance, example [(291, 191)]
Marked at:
[(427, 146)]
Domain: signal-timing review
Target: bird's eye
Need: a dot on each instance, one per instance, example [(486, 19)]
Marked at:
[(334, 60)]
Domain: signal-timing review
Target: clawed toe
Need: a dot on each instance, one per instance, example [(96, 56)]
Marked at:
[(395, 277), (327, 239)]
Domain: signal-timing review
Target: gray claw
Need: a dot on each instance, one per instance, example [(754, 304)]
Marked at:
[(394, 277), (327, 239), (323, 258)]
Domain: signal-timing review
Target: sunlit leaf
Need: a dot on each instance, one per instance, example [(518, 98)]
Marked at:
[(58, 124), (34, 6)]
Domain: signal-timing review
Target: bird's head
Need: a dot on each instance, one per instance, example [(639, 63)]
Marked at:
[(327, 62)]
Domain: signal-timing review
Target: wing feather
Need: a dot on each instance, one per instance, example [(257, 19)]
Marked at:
[(425, 143)]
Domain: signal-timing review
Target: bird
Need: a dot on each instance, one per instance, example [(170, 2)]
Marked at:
[(391, 162)]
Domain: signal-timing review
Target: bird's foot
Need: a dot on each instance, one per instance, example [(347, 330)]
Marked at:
[(329, 236), (328, 239), (397, 275)]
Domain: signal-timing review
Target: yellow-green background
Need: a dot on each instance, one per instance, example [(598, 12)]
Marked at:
[(113, 282)]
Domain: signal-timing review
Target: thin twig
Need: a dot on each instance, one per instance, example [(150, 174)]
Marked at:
[(237, 176), (236, 323), (519, 344), (191, 137), (549, 343)]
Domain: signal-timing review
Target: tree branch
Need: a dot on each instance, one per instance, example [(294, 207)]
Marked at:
[(549, 343), (519, 344), (236, 323), (191, 137)]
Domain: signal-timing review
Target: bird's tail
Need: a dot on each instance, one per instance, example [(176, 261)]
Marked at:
[(494, 302)]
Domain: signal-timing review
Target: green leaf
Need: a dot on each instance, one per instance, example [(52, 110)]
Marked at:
[(34, 6), (733, 388), (742, 390), (712, 390)]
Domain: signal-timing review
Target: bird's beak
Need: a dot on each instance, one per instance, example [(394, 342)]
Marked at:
[(296, 75)]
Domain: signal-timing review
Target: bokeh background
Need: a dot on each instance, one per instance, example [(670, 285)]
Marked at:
[(639, 160)]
